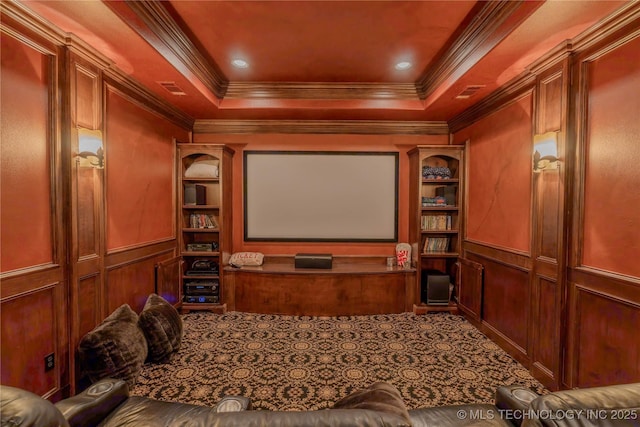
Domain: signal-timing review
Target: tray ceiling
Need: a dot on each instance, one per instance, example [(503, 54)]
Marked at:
[(323, 60)]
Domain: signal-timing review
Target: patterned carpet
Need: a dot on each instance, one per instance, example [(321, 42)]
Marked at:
[(307, 363)]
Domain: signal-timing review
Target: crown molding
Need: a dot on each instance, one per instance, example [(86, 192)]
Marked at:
[(525, 83), (519, 87), (168, 35), (362, 127), (321, 90), (618, 20), (163, 32), (117, 77), (551, 58), (479, 37), (83, 50), (23, 16), (147, 99)]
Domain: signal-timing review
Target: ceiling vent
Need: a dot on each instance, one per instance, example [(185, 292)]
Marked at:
[(469, 91), (173, 88)]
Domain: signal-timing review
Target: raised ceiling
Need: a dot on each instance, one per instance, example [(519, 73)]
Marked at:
[(323, 59)]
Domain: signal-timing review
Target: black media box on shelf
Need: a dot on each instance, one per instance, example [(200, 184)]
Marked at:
[(200, 247), (201, 288), (323, 261), (195, 194), (202, 299)]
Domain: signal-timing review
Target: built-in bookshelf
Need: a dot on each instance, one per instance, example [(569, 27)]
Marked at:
[(204, 223), (436, 196)]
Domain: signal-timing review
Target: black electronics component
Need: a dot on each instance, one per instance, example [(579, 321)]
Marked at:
[(203, 267), (201, 299), (195, 194), (435, 287), (201, 288), (323, 261)]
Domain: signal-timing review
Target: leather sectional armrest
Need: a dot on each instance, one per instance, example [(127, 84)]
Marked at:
[(512, 401), (95, 403)]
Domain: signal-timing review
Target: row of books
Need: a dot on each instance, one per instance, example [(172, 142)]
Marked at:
[(435, 244), (434, 201), (435, 222), (202, 221)]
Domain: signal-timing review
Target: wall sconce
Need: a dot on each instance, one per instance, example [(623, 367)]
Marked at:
[(90, 148), (545, 151)]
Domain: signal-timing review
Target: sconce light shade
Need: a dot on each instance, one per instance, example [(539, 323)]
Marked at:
[(90, 147), (545, 151)]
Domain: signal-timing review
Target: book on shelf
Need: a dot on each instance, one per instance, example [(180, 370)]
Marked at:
[(202, 221), (435, 222), (435, 244), (434, 201)]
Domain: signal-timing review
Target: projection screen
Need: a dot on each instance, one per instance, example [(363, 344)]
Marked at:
[(320, 196)]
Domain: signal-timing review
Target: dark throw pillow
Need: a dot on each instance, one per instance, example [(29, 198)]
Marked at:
[(116, 348), (162, 327), (380, 397)]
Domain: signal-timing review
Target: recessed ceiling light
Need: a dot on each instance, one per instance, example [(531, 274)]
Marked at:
[(403, 65), (240, 63)]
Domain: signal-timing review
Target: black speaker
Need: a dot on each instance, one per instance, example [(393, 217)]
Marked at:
[(435, 287), (324, 261), (195, 194)]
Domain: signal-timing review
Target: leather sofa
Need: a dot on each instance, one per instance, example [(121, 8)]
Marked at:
[(107, 403)]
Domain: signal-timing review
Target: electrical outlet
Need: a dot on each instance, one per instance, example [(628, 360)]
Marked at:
[(49, 362)]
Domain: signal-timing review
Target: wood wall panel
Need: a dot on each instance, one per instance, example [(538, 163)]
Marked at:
[(53, 211), (604, 275), (548, 238), (87, 207), (25, 156), (130, 276), (168, 280), (498, 186), (547, 322), (612, 155), (33, 306), (548, 214), (505, 297), (607, 349), (470, 289), (498, 215), (552, 114), (87, 196), (85, 109), (89, 313), (29, 333), (140, 178)]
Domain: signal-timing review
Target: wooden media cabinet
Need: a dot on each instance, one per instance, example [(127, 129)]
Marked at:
[(353, 286)]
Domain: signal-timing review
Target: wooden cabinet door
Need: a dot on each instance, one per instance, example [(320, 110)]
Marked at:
[(470, 288), (168, 280)]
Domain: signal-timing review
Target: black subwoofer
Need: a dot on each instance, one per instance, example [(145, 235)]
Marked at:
[(435, 287)]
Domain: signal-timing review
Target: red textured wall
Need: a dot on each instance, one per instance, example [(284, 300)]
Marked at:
[(400, 143), (25, 183), (140, 182), (499, 180), (612, 178)]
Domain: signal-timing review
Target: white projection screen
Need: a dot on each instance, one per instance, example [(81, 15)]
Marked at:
[(320, 196)]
